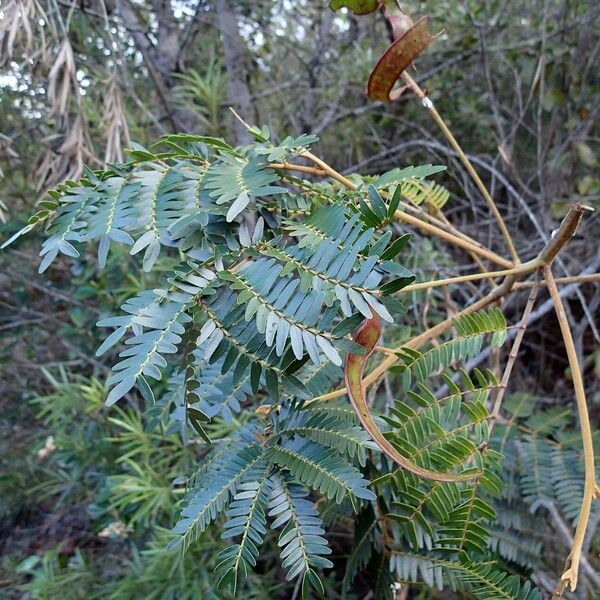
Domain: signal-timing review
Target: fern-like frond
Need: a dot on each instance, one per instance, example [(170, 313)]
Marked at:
[(442, 433), (282, 311), (397, 175), (516, 547), (234, 180), (320, 468), (288, 148), (419, 192), (568, 479), (335, 265), (471, 330), (483, 579), (489, 583), (337, 254), (203, 505), (465, 531), (246, 519), (226, 334), (68, 225), (536, 469), (328, 430), (303, 547), (415, 567), (113, 215), (158, 204), (163, 321)]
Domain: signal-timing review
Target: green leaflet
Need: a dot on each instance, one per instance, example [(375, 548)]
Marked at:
[(242, 477), (248, 521), (158, 322)]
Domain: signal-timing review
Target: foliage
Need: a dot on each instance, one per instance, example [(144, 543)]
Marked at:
[(261, 303), (251, 282)]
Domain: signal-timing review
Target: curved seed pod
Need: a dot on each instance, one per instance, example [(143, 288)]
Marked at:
[(367, 336), (396, 59)]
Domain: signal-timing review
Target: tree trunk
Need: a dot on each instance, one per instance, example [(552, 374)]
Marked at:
[(161, 59), (235, 63)]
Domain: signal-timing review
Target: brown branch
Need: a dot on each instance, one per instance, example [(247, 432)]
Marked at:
[(590, 488), (512, 356)]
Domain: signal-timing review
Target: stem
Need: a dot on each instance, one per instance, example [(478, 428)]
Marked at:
[(589, 490), (300, 168), (523, 269), (329, 170), (414, 86), (586, 278), (453, 239), (514, 351)]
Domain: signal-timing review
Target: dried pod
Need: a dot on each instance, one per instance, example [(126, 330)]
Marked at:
[(396, 59)]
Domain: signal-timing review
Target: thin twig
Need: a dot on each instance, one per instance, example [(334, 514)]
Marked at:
[(586, 278), (414, 86), (522, 269), (512, 356)]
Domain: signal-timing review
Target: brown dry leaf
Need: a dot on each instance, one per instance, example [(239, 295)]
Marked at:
[(115, 121), (16, 28), (62, 80), (396, 59), (67, 160), (70, 147)]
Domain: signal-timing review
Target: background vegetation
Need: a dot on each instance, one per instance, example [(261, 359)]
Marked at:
[(86, 493)]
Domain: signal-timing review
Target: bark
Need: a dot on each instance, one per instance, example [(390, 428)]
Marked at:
[(161, 58), (234, 53), (323, 27)]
